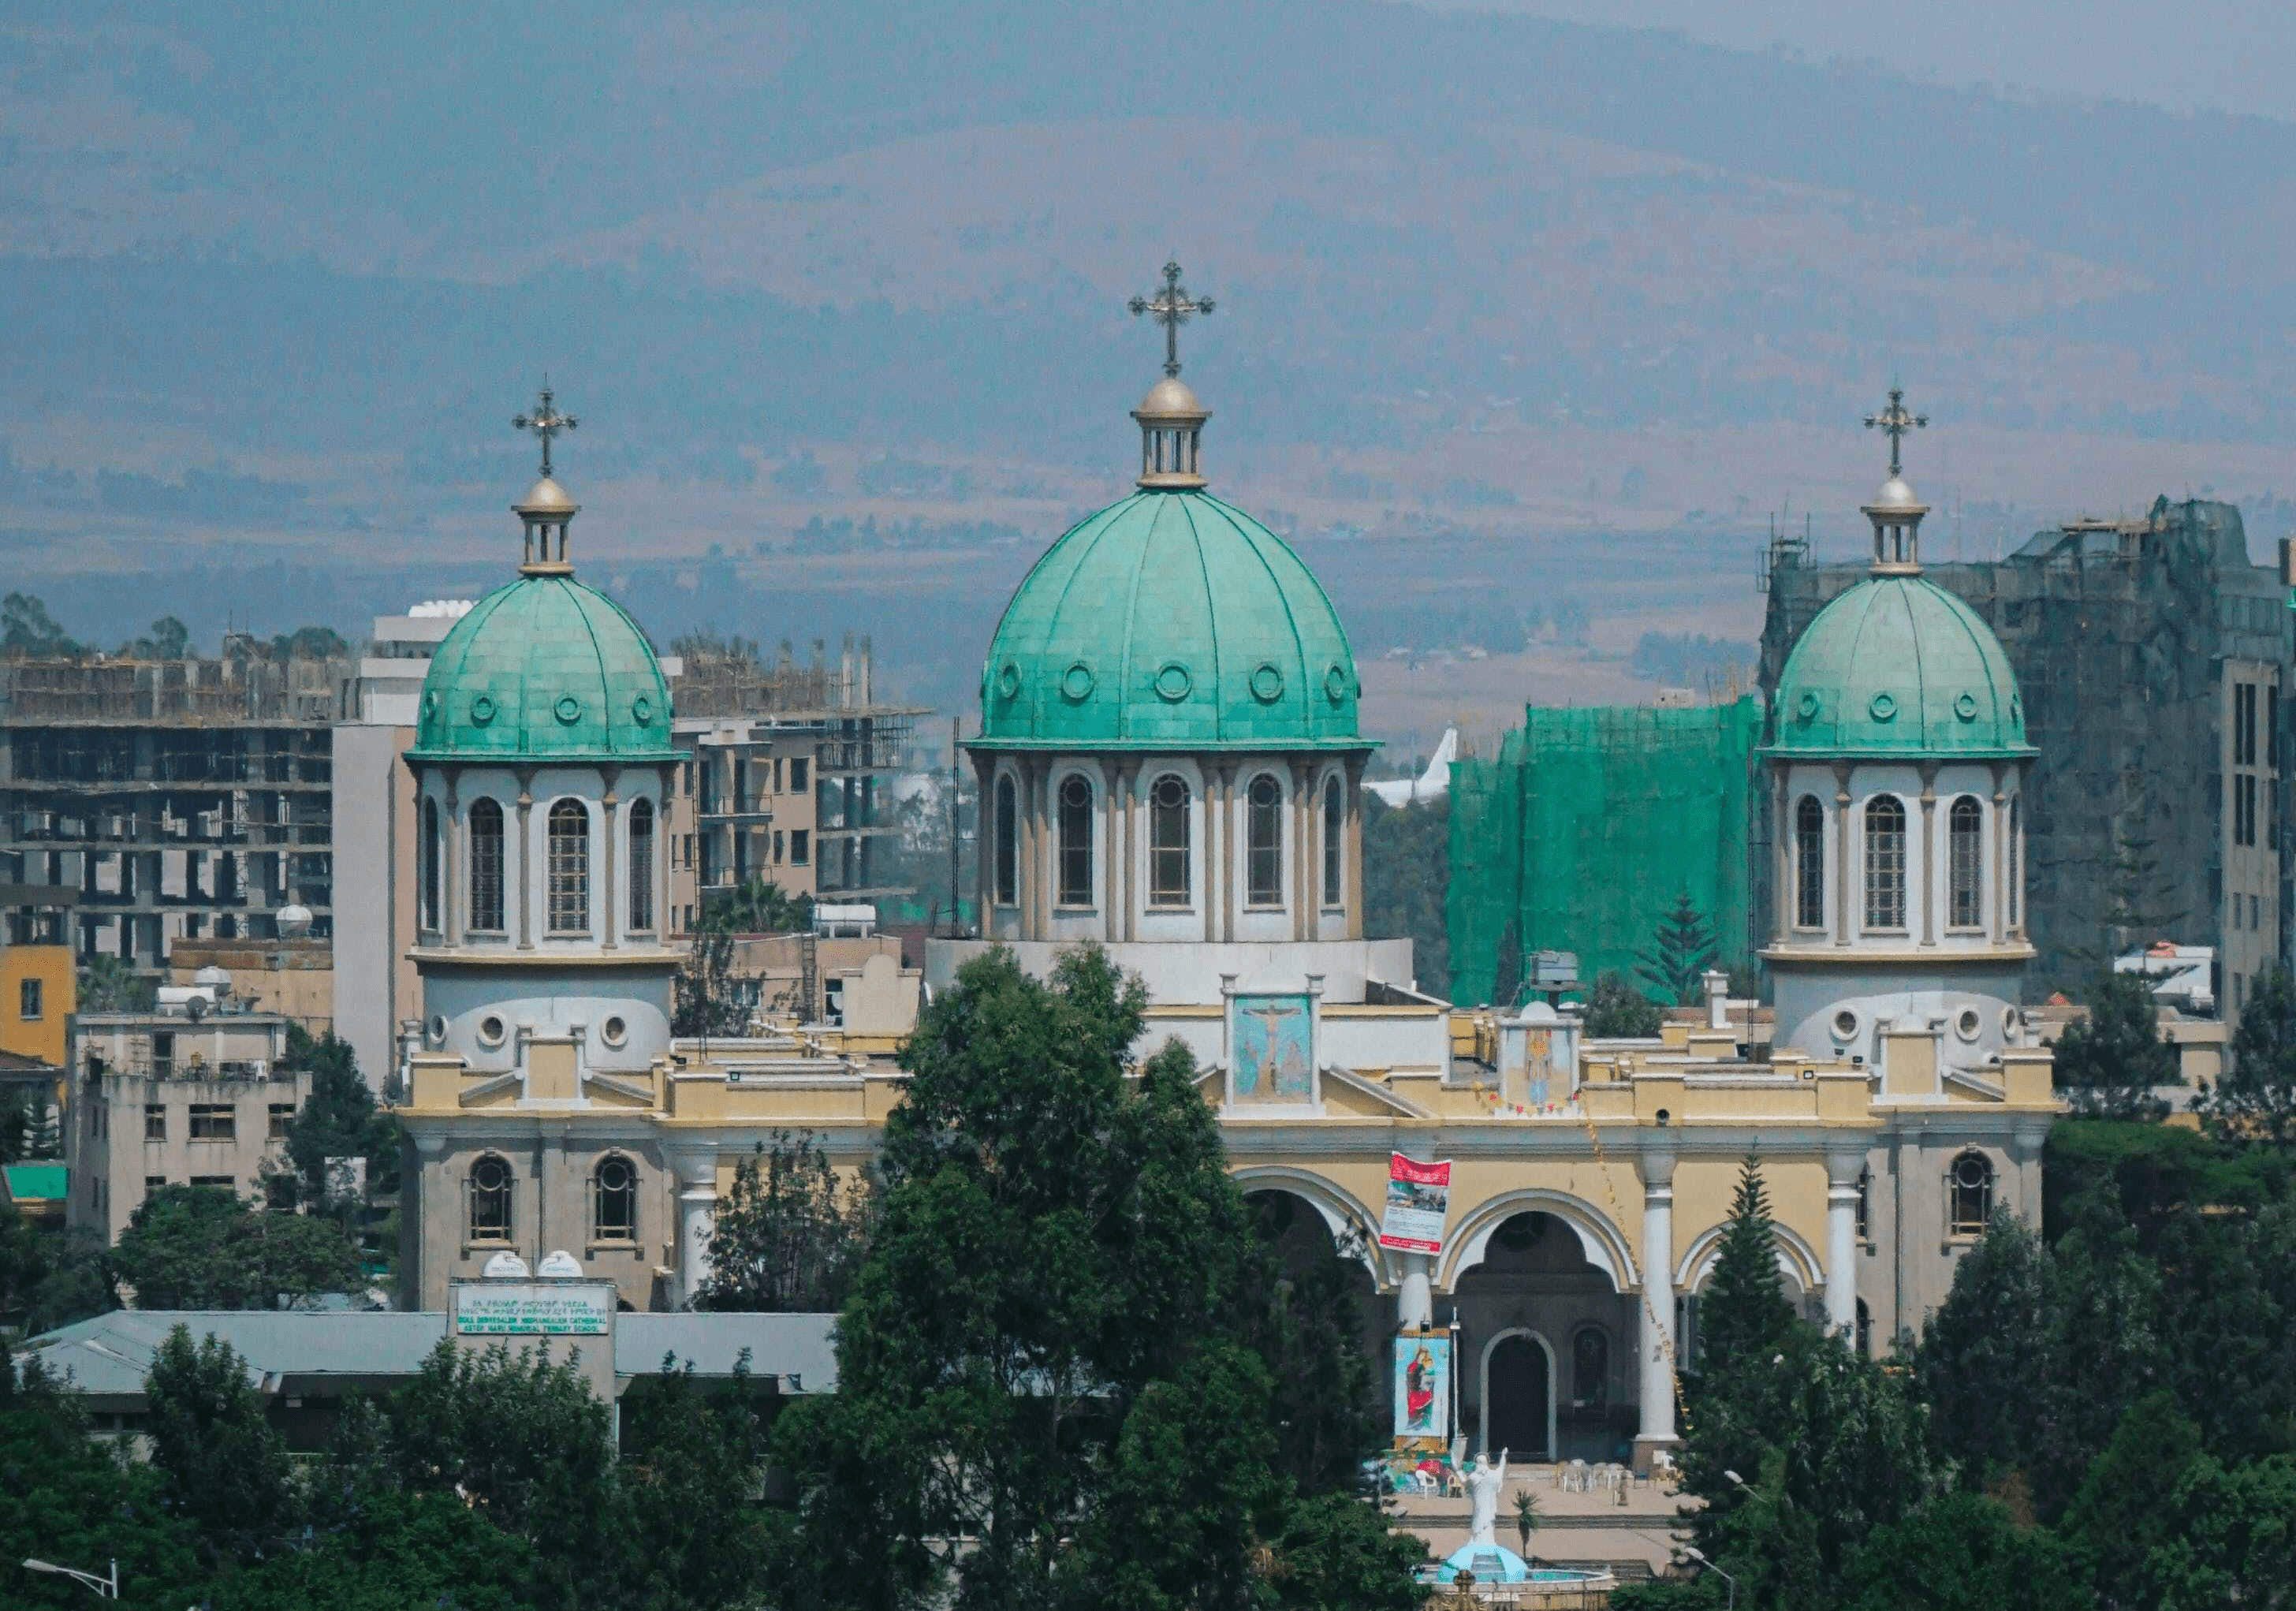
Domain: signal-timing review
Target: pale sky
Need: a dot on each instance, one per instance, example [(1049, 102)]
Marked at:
[(2219, 55)]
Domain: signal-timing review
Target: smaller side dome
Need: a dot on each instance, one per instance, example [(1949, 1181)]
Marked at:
[(1898, 667), (1896, 494), (1171, 398)]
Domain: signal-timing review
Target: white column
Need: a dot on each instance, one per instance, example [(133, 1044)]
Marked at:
[(1658, 1308), (697, 1208), (1415, 1302), (1842, 1172)]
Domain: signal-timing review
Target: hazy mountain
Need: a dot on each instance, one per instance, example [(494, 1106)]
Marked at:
[(1487, 284)]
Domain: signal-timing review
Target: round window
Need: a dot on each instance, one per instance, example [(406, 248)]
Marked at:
[(429, 705), (1267, 683), (1075, 683), (615, 1174), (491, 1174), (482, 710), (568, 709), (1335, 684), (439, 1029), (1967, 1024), (1170, 793), (1970, 1171), (1807, 705), (1965, 707), (1173, 682), (616, 1032), (1845, 1024), (642, 710), (1008, 681), (492, 1031), (1884, 706)]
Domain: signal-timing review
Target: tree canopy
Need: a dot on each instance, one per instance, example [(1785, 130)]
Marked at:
[(1617, 1010), (203, 1247), (2109, 1061), (788, 1238)]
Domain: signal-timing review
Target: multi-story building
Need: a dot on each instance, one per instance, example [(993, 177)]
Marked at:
[(167, 1098), (176, 798), (2151, 656), (788, 779)]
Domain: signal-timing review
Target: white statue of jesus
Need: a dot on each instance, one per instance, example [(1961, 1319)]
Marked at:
[(1484, 1481)]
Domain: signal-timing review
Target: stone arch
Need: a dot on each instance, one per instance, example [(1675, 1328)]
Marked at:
[(1341, 1210), (1605, 1245), (1798, 1261), (1483, 1384)]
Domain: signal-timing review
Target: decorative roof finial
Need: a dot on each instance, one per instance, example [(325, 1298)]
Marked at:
[(545, 422), (1892, 421), (1173, 308)]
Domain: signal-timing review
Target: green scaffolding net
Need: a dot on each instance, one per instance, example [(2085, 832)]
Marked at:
[(1589, 823)]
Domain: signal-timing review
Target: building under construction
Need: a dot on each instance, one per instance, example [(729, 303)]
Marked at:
[(173, 798), (2151, 654), (1587, 827), (789, 780)]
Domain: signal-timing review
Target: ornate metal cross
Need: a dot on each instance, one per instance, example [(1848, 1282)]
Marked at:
[(1173, 308), (1896, 423), (545, 422)]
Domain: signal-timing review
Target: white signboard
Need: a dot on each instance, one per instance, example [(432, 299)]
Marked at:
[(533, 1309)]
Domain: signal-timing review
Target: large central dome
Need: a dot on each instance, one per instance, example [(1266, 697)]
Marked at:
[(1169, 621)]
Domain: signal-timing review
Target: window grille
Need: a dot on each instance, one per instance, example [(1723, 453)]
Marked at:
[(1167, 843), (1885, 863), (490, 1190), (1965, 825), (570, 867), (1809, 863), (1263, 877), (1076, 840), (487, 866)]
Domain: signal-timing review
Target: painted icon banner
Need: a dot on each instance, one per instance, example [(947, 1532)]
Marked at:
[(1423, 1386)]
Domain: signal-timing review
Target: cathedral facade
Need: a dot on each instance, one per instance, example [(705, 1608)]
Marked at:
[(1170, 766)]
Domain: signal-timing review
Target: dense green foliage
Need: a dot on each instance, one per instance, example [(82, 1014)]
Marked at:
[(203, 1247), (1055, 1350), (1616, 1009), (2109, 1061), (2102, 1416), (1408, 882), (787, 1239), (2257, 1095), (339, 1120)]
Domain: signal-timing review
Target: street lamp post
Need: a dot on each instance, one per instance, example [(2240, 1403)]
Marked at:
[(106, 1588), (1692, 1551)]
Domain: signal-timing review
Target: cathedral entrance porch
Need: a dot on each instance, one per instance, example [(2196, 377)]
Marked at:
[(1547, 1337)]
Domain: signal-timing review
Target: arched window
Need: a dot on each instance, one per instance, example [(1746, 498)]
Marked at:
[(491, 1219), (1885, 863), (1965, 862), (1008, 845), (570, 867), (487, 866), (1809, 863), (1167, 843), (1264, 842), (1969, 1195), (1076, 840), (1335, 824), (2015, 890), (1590, 1369), (642, 865), (429, 894), (614, 1201)]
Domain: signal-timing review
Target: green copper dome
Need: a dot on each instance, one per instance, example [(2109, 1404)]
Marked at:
[(545, 668), (1898, 666), (1169, 621)]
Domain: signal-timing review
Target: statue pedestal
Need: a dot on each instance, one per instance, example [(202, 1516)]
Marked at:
[(1490, 1563)]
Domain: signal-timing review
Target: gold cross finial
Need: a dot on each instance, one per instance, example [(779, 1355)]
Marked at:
[(1173, 308), (1896, 423), (545, 422)]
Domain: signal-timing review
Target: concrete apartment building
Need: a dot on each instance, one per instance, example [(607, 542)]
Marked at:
[(2152, 655), (789, 780), (166, 1098), (175, 799)]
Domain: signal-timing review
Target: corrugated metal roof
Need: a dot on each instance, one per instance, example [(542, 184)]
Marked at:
[(785, 1345), (109, 1355), (36, 1182)]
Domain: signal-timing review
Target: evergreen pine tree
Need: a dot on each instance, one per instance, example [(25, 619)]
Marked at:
[(1985, 1358), (1745, 1315), (2108, 1063), (2255, 1098), (1680, 952)]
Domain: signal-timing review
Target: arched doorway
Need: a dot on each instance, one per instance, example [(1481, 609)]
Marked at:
[(1518, 1397)]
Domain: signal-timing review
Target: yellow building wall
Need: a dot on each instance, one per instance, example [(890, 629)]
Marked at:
[(40, 1036)]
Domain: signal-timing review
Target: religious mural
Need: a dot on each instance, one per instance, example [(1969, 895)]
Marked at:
[(1274, 1038)]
